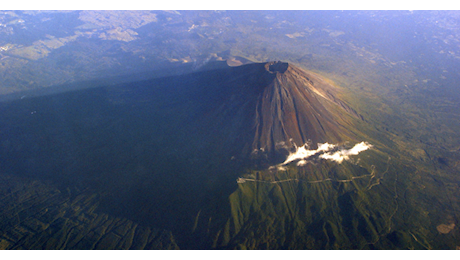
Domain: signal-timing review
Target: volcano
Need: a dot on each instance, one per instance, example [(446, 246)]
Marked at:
[(162, 150)]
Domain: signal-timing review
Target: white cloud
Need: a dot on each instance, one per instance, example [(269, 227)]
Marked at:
[(301, 163), (281, 168), (341, 155), (303, 153), (327, 152)]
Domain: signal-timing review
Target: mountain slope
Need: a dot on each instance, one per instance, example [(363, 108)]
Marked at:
[(270, 109), (296, 108)]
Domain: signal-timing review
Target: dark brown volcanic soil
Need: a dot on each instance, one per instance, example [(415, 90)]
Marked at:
[(285, 107), (291, 109)]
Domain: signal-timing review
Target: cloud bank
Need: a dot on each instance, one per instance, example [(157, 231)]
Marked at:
[(341, 155), (326, 151)]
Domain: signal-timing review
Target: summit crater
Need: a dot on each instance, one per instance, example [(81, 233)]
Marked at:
[(277, 66)]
